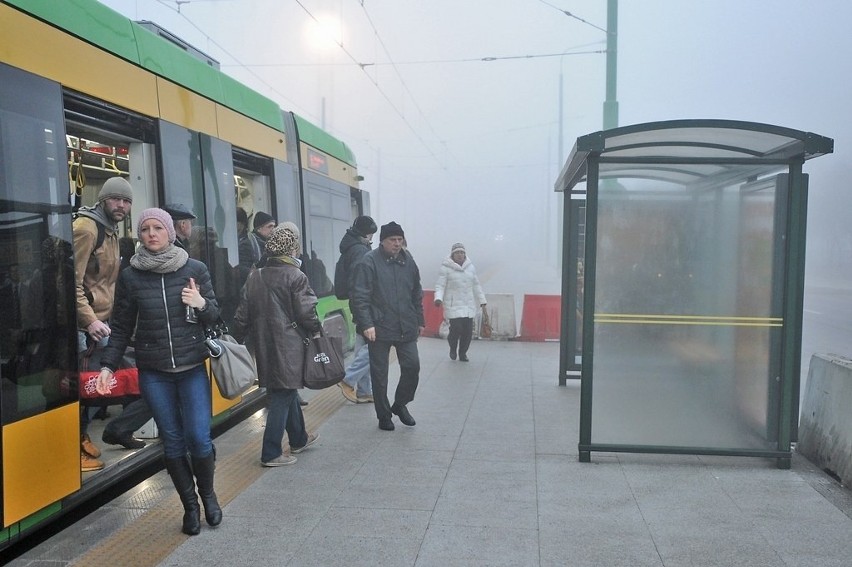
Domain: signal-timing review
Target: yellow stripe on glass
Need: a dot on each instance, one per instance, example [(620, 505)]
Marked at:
[(714, 320)]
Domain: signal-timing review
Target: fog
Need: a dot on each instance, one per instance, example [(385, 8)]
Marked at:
[(452, 108)]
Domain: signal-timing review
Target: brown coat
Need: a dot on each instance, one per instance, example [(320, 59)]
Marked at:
[(272, 298), (96, 271)]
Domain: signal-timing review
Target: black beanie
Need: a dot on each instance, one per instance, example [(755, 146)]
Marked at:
[(391, 229), (261, 218), (364, 225)]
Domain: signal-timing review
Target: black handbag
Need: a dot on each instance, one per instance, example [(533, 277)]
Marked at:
[(323, 365)]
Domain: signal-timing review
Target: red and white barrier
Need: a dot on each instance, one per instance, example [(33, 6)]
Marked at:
[(540, 319)]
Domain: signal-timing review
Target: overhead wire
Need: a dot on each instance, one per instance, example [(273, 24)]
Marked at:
[(229, 54), (570, 15), (486, 59), (399, 75), (375, 83), (363, 66)]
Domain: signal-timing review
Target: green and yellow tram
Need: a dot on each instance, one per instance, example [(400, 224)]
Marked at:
[(86, 94)]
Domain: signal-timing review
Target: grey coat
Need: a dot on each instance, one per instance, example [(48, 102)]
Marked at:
[(272, 299)]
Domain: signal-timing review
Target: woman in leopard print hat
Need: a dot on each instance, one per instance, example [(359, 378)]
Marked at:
[(274, 297)]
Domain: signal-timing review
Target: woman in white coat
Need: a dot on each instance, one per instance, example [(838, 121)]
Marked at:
[(458, 290)]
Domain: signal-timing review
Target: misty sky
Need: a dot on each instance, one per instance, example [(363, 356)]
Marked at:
[(457, 148)]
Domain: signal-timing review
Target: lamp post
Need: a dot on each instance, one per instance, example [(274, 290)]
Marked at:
[(610, 108)]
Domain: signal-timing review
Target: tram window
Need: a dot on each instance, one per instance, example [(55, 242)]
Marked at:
[(38, 335), (287, 194), (329, 219)]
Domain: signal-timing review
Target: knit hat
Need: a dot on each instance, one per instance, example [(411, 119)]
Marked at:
[(179, 211), (292, 226), (160, 215), (364, 225), (457, 247), (261, 218), (391, 229), (283, 241), (116, 188)]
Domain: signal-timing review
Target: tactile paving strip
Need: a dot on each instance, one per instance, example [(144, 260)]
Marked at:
[(148, 540)]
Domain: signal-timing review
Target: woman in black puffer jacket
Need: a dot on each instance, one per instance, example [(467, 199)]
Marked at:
[(166, 299)]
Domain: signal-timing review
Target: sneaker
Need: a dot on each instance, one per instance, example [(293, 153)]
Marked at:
[(89, 448), (452, 355), (312, 438), (348, 391), (280, 461), (386, 424), (463, 358), (127, 440), (365, 399), (89, 463)]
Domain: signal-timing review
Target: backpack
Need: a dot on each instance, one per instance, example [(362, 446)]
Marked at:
[(341, 278), (101, 232)]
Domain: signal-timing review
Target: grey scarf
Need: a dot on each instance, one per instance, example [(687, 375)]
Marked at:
[(168, 260)]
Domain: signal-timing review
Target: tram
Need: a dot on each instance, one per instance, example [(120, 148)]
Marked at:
[(87, 94)]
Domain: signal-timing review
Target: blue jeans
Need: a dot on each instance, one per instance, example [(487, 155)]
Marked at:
[(282, 412), (358, 373), (181, 405)]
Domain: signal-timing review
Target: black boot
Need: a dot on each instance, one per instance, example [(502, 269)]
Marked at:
[(181, 474), (204, 468)]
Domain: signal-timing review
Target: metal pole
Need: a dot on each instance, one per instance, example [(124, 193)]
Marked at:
[(610, 109)]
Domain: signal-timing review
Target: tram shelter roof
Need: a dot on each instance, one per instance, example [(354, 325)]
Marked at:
[(689, 152)]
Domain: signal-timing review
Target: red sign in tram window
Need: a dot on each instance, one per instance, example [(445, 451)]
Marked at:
[(317, 162)]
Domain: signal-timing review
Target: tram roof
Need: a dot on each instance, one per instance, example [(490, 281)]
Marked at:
[(689, 151)]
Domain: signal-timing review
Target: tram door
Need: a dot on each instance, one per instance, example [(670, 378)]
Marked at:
[(38, 405)]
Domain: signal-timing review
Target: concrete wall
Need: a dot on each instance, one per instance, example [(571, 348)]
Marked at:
[(825, 426)]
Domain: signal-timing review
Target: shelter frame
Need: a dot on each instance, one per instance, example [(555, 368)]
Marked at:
[(684, 243)]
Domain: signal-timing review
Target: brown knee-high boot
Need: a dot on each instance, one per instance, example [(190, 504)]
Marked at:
[(204, 468), (181, 474)]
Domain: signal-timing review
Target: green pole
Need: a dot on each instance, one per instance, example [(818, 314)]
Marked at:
[(610, 109)]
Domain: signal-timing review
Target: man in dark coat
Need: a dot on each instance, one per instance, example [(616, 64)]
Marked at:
[(387, 302)]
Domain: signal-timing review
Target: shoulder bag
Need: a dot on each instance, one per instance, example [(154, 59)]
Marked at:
[(486, 330), (323, 365), (231, 363)]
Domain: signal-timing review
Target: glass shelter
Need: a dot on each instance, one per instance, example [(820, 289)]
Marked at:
[(683, 272)]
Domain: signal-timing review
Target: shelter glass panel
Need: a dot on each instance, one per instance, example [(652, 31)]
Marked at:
[(684, 327)]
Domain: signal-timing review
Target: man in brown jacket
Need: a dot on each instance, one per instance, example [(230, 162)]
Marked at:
[(96, 267)]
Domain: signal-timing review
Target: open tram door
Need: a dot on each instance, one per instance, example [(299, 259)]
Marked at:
[(687, 293)]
